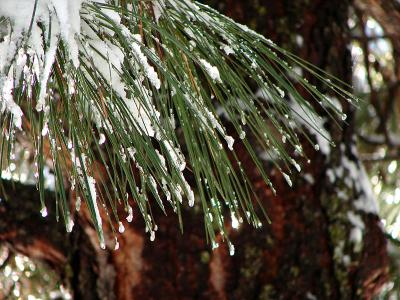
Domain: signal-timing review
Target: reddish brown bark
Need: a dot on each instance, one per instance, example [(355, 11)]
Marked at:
[(291, 258), (288, 259)]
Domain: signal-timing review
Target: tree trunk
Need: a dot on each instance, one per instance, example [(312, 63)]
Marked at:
[(312, 249)]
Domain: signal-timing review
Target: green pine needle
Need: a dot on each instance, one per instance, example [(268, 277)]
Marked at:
[(145, 111)]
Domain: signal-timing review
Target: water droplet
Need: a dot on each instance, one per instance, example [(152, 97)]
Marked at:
[(230, 141), (287, 178), (214, 245), (78, 203), (316, 147), (243, 118), (45, 130), (235, 221), (116, 247), (102, 139), (43, 211), (296, 165), (298, 149), (231, 249), (152, 236), (344, 117), (273, 190), (102, 245), (129, 218), (70, 225), (121, 227)]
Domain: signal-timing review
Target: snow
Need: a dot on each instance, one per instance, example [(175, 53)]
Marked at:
[(64, 20), (304, 116), (346, 260), (355, 220), (69, 21), (315, 125), (269, 155), (64, 14), (108, 59), (354, 176), (158, 8), (7, 103), (143, 112), (366, 201), (309, 178), (357, 175), (63, 17), (176, 156), (80, 164), (311, 296), (102, 139), (48, 64), (356, 235), (190, 193), (93, 195), (142, 59), (207, 117), (227, 49), (84, 45), (212, 71)]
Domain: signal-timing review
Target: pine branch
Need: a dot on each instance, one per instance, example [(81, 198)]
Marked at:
[(124, 101)]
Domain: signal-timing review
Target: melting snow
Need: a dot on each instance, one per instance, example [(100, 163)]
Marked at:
[(314, 124), (211, 70)]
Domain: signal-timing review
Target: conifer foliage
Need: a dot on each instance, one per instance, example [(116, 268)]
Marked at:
[(129, 101)]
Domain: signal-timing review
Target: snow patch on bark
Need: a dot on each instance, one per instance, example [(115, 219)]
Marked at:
[(314, 124)]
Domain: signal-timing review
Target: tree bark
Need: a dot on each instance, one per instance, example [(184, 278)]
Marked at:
[(306, 252)]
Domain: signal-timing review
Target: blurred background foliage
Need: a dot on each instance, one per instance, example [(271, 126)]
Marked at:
[(22, 278), (375, 52), (376, 79)]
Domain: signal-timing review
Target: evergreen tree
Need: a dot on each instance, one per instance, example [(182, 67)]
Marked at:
[(143, 109)]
